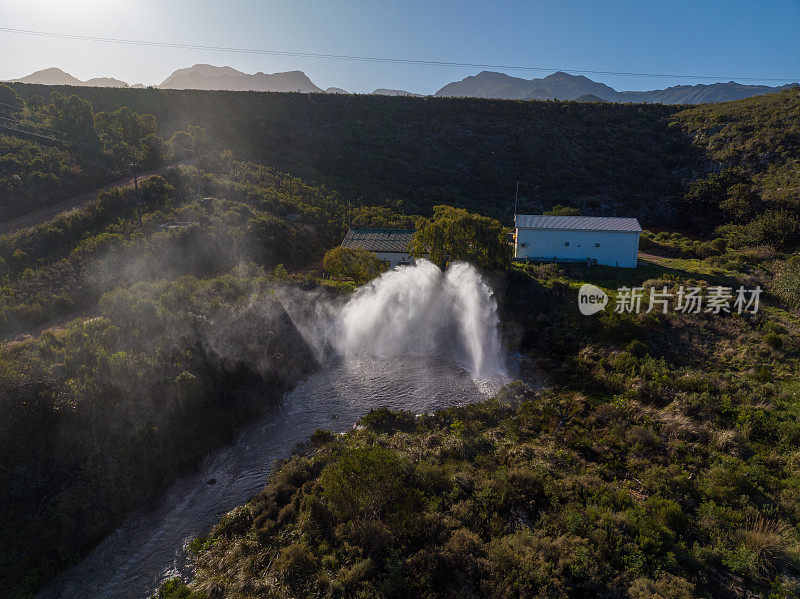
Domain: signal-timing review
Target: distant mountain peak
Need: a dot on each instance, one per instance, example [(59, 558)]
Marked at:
[(210, 77), (55, 76), (562, 76), (50, 76), (104, 82), (565, 86), (485, 84)]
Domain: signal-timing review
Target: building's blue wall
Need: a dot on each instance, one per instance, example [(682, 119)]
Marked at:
[(615, 248)]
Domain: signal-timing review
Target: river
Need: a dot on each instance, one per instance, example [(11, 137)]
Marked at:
[(150, 547)]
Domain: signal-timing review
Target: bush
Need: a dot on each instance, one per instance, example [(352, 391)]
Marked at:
[(666, 586), (778, 228), (559, 210), (295, 563), (177, 589), (364, 483), (774, 340), (383, 420), (787, 282)]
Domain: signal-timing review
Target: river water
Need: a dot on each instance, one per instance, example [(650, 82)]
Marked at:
[(134, 560)]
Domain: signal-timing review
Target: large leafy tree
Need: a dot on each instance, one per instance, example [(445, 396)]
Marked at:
[(455, 234), (357, 264)]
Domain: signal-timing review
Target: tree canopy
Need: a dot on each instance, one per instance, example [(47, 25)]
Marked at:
[(357, 264), (455, 234)]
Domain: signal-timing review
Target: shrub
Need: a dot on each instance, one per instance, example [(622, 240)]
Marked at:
[(295, 563), (560, 210), (787, 282), (778, 228), (235, 522), (666, 586), (774, 340), (364, 483), (772, 546), (177, 589), (637, 349), (384, 420)]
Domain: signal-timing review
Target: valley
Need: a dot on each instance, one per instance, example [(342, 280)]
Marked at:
[(203, 338)]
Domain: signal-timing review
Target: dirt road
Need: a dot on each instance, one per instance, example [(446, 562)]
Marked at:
[(50, 212)]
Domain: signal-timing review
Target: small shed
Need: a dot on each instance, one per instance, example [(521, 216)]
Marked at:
[(390, 245), (607, 240)]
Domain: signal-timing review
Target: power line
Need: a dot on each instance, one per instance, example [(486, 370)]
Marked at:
[(72, 139), (21, 123), (45, 128), (110, 40), (10, 128), (48, 128)]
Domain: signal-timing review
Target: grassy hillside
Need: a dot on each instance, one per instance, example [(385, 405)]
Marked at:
[(55, 148), (751, 179), (426, 151), (758, 135), (660, 462), (167, 357), (604, 158)]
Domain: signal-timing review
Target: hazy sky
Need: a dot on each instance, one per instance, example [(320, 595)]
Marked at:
[(726, 38)]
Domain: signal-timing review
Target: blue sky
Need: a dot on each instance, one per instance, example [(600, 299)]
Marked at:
[(731, 38)]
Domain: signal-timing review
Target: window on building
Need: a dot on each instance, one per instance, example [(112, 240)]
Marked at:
[(566, 243), (597, 245), (524, 245)]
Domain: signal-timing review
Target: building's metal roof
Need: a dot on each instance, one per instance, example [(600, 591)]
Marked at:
[(577, 223), (379, 240)]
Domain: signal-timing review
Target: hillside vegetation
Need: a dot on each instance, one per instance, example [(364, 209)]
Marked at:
[(173, 351), (54, 148), (428, 151), (661, 462), (604, 158)]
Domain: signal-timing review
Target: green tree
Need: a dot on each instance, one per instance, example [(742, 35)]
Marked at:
[(778, 228), (360, 265), (455, 234), (10, 103), (182, 144), (74, 116)]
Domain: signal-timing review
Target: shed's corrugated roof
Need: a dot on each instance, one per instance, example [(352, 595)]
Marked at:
[(577, 223), (379, 240)]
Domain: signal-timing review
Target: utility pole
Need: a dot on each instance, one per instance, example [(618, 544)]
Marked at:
[(516, 198)]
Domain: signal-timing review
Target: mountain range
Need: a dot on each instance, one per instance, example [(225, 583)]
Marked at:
[(563, 86), (54, 76), (206, 76), (487, 84)]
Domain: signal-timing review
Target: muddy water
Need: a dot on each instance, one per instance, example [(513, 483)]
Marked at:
[(149, 547)]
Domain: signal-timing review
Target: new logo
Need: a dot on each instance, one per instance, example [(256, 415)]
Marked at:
[(591, 299)]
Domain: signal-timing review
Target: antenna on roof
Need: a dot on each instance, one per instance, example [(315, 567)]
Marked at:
[(516, 197)]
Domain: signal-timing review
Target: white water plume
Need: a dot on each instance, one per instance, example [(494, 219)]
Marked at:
[(419, 310)]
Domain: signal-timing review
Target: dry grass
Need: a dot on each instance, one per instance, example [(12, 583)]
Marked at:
[(774, 543)]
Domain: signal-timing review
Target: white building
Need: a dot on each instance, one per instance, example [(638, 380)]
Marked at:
[(610, 241), (390, 245)]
